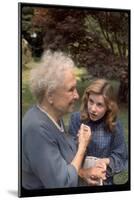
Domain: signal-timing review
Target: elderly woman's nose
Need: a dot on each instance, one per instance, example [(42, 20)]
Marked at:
[(76, 95)]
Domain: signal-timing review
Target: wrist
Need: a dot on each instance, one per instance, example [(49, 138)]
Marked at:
[(81, 173), (81, 149)]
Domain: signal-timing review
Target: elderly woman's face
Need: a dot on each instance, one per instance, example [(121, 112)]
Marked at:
[(66, 95)]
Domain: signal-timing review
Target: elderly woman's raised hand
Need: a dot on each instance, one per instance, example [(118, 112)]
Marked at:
[(84, 136)]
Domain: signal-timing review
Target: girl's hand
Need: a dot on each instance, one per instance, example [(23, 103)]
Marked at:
[(104, 162)]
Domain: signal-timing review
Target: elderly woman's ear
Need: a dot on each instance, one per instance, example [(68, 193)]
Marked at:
[(50, 97)]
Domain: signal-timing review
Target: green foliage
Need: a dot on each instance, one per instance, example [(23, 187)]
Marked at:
[(96, 39), (27, 98), (27, 15), (26, 53), (121, 178), (63, 28), (80, 73), (92, 26)]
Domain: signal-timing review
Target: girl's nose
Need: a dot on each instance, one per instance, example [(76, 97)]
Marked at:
[(93, 108)]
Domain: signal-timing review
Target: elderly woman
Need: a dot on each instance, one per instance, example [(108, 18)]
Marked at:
[(50, 156)]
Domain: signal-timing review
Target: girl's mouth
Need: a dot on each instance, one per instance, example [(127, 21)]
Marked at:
[(92, 115)]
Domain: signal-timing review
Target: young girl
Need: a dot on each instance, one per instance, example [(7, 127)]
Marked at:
[(99, 111)]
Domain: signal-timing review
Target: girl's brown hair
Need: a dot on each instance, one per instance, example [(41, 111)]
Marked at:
[(101, 87)]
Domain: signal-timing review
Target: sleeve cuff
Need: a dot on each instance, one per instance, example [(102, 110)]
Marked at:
[(73, 176)]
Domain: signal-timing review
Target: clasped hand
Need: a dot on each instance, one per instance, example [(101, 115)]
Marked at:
[(94, 175)]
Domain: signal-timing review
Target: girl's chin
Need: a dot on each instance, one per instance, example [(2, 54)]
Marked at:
[(93, 117)]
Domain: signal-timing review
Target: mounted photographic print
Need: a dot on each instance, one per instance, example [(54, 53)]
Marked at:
[(74, 108)]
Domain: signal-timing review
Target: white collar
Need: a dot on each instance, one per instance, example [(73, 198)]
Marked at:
[(60, 127)]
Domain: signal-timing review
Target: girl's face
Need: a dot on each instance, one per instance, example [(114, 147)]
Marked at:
[(96, 106)]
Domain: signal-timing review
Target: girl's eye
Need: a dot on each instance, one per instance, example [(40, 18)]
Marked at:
[(91, 101), (100, 105)]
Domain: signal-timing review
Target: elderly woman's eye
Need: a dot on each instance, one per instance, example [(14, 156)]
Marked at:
[(72, 89)]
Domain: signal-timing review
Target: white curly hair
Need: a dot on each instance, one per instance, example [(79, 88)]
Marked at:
[(49, 74)]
